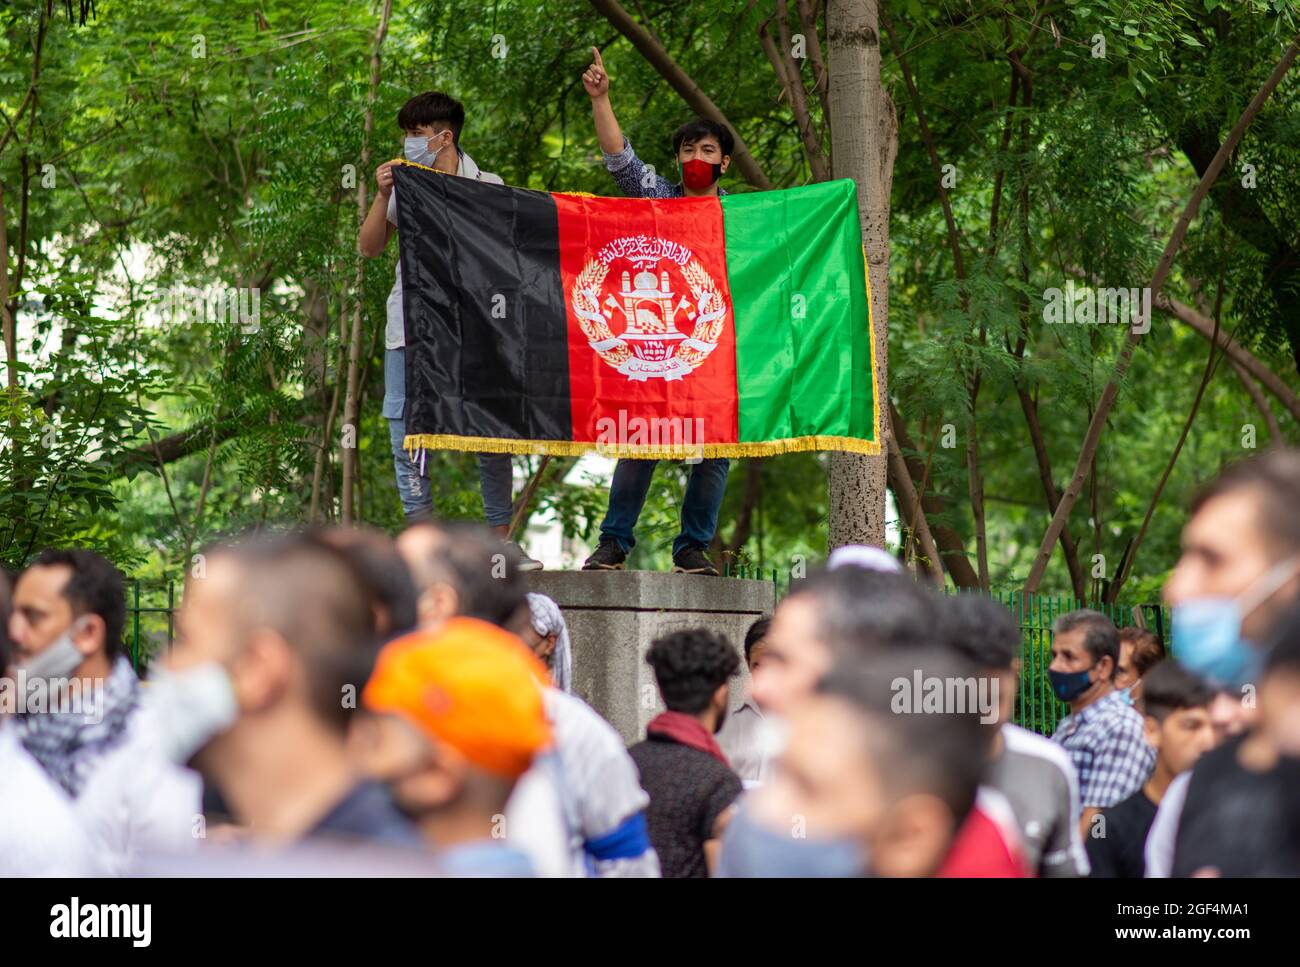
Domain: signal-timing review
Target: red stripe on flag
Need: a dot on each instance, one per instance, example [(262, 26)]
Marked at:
[(645, 281)]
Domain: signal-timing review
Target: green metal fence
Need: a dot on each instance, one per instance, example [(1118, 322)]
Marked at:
[(151, 605), (150, 619), (1036, 707)]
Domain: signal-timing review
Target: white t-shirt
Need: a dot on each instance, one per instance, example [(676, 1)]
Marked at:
[(395, 332), (583, 790), (137, 801), (40, 834), (1159, 851)]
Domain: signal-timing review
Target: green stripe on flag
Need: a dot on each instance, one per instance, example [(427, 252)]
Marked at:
[(798, 291)]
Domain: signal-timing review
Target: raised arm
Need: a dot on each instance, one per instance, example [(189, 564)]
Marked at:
[(596, 81)]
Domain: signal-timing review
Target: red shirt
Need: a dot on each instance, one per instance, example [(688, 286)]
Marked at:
[(981, 849)]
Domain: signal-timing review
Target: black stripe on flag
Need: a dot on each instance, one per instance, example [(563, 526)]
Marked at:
[(487, 351)]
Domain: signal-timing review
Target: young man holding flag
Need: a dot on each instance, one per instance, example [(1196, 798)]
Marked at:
[(432, 123), (703, 149)]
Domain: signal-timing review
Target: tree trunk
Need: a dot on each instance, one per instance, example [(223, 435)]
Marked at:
[(864, 133), (350, 407)]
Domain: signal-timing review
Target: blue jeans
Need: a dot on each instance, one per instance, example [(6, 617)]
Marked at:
[(703, 500), (495, 474)]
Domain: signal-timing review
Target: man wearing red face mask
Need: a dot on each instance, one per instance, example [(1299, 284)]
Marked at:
[(703, 150)]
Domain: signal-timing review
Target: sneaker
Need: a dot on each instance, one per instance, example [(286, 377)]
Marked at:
[(522, 561), (609, 556), (692, 560)]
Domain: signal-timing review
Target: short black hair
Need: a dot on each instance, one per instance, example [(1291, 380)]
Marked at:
[(858, 609), (483, 571), (981, 630), (1101, 637), (308, 593), (432, 107), (94, 587), (944, 754), (756, 633), (689, 666), (1170, 687), (701, 128)]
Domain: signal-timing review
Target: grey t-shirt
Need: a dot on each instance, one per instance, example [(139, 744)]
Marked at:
[(1037, 778)]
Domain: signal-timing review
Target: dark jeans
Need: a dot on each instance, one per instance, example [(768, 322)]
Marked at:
[(627, 493)]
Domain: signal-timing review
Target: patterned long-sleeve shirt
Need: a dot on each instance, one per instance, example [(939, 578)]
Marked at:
[(636, 179)]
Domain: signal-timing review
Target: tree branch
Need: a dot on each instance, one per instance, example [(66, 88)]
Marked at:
[(1111, 391), (699, 102)]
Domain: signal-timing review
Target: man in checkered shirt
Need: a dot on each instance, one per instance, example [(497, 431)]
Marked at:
[(1103, 733)]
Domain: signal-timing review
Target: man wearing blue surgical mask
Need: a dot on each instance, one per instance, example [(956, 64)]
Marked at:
[(431, 123), (1238, 574), (1239, 569), (1102, 735)]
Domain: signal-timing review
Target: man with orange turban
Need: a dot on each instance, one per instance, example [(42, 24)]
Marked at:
[(459, 718)]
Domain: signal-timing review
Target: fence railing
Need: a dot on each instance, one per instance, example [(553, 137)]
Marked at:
[(151, 606)]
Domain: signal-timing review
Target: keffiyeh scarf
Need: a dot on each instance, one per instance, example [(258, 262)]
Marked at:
[(547, 620), (69, 744)]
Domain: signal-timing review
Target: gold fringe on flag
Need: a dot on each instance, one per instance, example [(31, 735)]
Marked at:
[(415, 442)]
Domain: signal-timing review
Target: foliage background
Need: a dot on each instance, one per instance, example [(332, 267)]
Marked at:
[(141, 165)]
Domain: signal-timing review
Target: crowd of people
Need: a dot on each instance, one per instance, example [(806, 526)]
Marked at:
[(339, 702)]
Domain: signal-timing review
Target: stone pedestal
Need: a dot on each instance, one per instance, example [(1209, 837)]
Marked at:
[(614, 615)]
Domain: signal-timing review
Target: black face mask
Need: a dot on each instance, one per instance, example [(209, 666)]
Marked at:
[(1067, 686)]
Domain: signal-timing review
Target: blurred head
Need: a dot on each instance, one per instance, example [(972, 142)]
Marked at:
[(833, 613), (855, 767), (1139, 651), (984, 634), (458, 718), (460, 570), (1243, 541), (692, 669), (1085, 644), (1230, 715), (287, 620), (73, 592), (1177, 723), (383, 574)]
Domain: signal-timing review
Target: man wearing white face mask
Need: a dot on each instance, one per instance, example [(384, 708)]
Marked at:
[(432, 123), (1239, 572), (40, 834), (69, 610)]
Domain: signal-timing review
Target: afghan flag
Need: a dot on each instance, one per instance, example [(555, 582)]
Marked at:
[(544, 322)]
